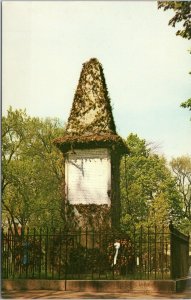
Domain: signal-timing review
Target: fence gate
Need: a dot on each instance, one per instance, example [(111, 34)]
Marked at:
[(179, 253)]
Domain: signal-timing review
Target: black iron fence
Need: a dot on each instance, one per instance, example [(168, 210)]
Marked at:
[(138, 254)]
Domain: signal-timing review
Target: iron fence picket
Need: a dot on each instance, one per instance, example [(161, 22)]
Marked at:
[(46, 253), (155, 252), (162, 253), (148, 248), (141, 253), (33, 254)]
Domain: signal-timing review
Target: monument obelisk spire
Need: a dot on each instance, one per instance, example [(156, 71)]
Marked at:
[(92, 150)]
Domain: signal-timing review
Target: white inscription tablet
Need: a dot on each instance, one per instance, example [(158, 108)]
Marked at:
[(88, 176)]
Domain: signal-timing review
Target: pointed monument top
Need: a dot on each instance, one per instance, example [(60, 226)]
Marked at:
[(91, 122), (91, 111)]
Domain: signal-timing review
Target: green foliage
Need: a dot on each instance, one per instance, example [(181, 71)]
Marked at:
[(182, 11), (187, 104), (32, 170), (182, 15), (181, 167), (148, 191)]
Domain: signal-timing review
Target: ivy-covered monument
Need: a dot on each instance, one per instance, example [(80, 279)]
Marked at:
[(92, 151)]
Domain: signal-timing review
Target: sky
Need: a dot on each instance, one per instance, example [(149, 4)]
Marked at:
[(146, 66)]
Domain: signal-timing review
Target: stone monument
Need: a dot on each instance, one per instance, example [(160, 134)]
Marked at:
[(92, 151)]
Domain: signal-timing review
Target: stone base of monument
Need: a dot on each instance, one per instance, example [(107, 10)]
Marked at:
[(105, 286), (92, 216)]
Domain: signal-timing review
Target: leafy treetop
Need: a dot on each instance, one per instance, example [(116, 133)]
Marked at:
[(182, 15), (182, 11)]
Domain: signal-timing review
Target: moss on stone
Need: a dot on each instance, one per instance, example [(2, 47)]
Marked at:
[(91, 122)]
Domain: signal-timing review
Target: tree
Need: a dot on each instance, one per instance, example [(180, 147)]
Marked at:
[(148, 190), (181, 167), (32, 170), (182, 15)]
